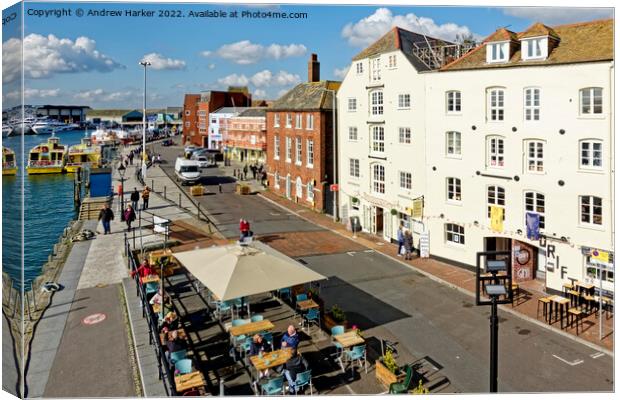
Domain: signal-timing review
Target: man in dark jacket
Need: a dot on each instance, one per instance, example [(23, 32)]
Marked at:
[(105, 216), (135, 198), (295, 365)]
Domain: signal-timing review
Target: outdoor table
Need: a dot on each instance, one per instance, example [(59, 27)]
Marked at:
[(305, 305), (269, 360), (251, 328), (149, 279), (156, 308), (586, 287), (189, 381), (561, 303), (348, 339), (180, 334), (154, 256)]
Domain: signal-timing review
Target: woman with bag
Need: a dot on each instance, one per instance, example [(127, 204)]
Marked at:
[(129, 215), (408, 243)]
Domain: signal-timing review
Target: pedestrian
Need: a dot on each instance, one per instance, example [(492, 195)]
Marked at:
[(245, 171), (400, 238), (131, 155), (105, 216), (145, 197), (219, 187), (129, 215), (253, 171), (408, 242), (158, 158), (242, 229), (135, 197)]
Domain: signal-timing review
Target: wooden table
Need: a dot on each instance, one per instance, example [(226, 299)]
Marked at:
[(561, 303), (180, 334), (307, 304), (156, 308), (154, 256), (251, 328), (188, 381), (269, 360), (586, 287), (347, 339), (149, 279)]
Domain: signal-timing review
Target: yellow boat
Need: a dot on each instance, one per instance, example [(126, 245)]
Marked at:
[(9, 165), (82, 155), (47, 158)]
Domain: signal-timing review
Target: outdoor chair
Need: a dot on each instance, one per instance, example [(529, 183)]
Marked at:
[(313, 316), (151, 288), (285, 292), (298, 298), (222, 307), (178, 355), (268, 337), (273, 386), (357, 353), (238, 304), (245, 346), (303, 379), (239, 322), (402, 387), (337, 330), (257, 318), (184, 366)]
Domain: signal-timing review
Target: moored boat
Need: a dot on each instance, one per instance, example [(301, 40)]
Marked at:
[(105, 136), (47, 158), (9, 164), (82, 155)]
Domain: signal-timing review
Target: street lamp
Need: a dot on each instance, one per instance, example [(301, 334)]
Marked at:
[(144, 64), (498, 293), (121, 171)]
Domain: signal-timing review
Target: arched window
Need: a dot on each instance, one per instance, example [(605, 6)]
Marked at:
[(453, 189), (276, 180), (591, 154), (534, 155), (453, 144)]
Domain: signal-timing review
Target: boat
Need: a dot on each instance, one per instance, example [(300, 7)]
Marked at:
[(47, 158), (9, 164), (46, 127), (82, 155), (6, 129), (105, 136)]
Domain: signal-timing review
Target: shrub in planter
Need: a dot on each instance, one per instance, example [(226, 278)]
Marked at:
[(336, 316), (387, 371)]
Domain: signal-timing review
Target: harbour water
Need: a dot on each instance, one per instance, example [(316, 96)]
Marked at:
[(48, 203)]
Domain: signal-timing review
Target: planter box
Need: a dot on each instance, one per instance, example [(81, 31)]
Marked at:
[(385, 377), (243, 189), (197, 190), (329, 323)]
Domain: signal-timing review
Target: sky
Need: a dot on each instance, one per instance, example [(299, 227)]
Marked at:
[(93, 60)]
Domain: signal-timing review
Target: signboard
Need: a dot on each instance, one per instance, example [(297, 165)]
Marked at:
[(417, 208), (425, 244), (333, 187), (160, 224)]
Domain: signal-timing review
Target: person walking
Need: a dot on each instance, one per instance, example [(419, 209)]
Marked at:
[(105, 216), (131, 158), (245, 172), (146, 193), (400, 238), (408, 242), (129, 215), (135, 197)]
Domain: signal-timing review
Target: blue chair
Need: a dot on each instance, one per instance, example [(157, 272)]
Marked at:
[(285, 292), (239, 322), (257, 318), (301, 297), (337, 330), (238, 304), (151, 287), (268, 337), (273, 386), (303, 379), (246, 346), (184, 366), (222, 307), (178, 355), (357, 353), (313, 316)]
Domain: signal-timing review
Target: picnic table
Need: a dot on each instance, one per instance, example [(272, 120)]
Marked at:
[(180, 334), (189, 381), (269, 360), (346, 340), (251, 328)]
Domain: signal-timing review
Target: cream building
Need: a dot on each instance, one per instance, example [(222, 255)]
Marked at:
[(522, 124)]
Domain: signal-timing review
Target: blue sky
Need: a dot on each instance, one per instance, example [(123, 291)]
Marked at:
[(94, 60)]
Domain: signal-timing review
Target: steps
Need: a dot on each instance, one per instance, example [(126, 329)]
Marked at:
[(89, 210)]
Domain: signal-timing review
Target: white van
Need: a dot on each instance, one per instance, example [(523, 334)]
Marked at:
[(187, 171)]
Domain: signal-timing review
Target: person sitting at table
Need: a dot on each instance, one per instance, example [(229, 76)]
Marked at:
[(171, 322), (144, 270), (157, 298), (173, 344), (290, 338), (295, 365), (259, 345)]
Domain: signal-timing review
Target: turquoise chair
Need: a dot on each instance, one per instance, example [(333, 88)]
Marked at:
[(257, 318), (337, 330), (285, 292), (313, 316), (303, 379), (246, 345), (222, 307), (300, 297), (178, 355), (239, 322), (273, 386), (267, 337), (151, 287), (357, 353), (184, 366)]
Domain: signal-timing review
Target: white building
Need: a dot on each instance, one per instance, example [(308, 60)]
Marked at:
[(522, 124), (220, 115)]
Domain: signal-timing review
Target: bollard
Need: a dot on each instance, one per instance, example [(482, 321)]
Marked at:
[(180, 200), (153, 185), (221, 387), (198, 210), (165, 193)]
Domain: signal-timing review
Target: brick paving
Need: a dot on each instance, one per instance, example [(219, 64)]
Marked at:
[(459, 278), (299, 244)]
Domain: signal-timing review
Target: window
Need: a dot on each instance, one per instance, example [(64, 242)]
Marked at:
[(359, 68), (534, 48), (453, 102), (496, 104), (454, 189), (453, 144), (378, 178), (535, 202), (289, 149), (375, 65), (534, 156), (495, 152), (404, 101), (310, 122), (591, 154), (455, 234), (591, 210), (289, 120), (310, 153), (594, 272), (392, 61), (310, 190), (298, 118), (404, 135), (497, 52), (378, 139), (352, 133), (352, 104), (496, 196), (376, 101), (276, 120), (187, 112), (276, 180), (187, 124), (591, 100), (532, 104), (354, 167), (214, 121), (299, 188), (276, 147), (405, 180), (298, 150)]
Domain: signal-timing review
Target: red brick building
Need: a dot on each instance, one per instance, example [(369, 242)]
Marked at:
[(245, 135), (300, 133), (197, 107)]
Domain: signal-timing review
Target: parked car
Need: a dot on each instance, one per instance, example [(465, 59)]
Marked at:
[(167, 142), (187, 171), (204, 160)]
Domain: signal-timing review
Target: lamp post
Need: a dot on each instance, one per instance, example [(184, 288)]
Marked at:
[(498, 293), (144, 64), (121, 172)]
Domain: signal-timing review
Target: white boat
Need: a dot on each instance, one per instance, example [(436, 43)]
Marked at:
[(106, 136), (47, 126)]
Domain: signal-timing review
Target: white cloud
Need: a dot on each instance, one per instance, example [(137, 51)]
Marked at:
[(160, 62), (211, 66), (246, 52), (558, 15), (260, 93), (367, 30), (45, 56), (103, 96), (264, 78), (234, 80), (31, 94), (340, 72)]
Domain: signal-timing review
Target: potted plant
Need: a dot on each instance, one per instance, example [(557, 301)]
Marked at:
[(387, 371), (313, 294), (393, 211), (335, 316)]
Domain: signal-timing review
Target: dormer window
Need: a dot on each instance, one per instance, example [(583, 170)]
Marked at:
[(532, 49), (498, 52)]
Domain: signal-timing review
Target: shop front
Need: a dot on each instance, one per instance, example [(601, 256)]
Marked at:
[(524, 256), (599, 269)]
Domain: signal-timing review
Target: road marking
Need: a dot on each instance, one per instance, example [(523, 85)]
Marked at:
[(94, 319), (597, 355), (274, 214), (369, 251), (572, 364), (351, 253)]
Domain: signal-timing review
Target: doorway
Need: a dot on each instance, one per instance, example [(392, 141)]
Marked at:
[(376, 221)]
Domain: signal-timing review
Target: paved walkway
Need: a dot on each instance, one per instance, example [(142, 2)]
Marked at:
[(10, 369)]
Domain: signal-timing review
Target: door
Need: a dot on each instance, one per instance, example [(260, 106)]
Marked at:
[(378, 221), (387, 227)]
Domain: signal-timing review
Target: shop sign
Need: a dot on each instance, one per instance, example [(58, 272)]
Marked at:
[(418, 208), (425, 244)]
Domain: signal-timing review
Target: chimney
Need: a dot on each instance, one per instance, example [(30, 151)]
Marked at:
[(314, 68)]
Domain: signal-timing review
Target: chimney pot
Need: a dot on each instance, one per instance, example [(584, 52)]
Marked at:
[(314, 68)]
